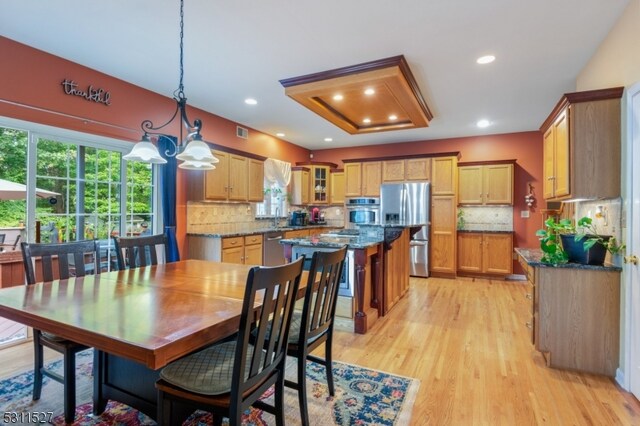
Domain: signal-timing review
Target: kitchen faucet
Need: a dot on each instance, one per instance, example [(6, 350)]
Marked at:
[(276, 219)]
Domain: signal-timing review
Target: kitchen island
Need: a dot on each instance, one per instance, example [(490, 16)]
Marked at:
[(379, 276)]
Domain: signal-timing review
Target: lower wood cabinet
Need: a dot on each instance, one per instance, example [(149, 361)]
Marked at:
[(485, 253), (245, 250)]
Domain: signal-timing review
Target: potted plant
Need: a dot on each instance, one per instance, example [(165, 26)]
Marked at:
[(552, 250), (561, 242)]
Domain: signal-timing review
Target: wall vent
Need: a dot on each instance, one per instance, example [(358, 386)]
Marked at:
[(241, 132)]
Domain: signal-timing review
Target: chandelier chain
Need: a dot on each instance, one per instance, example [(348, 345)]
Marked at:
[(181, 85)]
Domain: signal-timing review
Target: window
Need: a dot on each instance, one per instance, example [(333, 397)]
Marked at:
[(275, 201)]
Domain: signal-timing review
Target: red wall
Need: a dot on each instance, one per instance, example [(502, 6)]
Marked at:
[(31, 90), (524, 147)]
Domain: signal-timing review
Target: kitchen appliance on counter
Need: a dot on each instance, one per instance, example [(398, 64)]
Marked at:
[(362, 211), (409, 204), (299, 218)]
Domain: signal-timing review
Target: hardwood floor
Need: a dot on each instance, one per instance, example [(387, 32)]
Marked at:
[(467, 343), (465, 340)]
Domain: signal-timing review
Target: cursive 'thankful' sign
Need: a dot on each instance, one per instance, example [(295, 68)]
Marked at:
[(94, 95)]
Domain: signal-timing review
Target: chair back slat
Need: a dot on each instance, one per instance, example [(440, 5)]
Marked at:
[(46, 253), (134, 252), (277, 286), (321, 294)]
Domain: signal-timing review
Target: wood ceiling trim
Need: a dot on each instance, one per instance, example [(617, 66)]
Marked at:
[(395, 87)]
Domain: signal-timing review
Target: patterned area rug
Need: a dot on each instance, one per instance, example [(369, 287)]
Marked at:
[(363, 396)]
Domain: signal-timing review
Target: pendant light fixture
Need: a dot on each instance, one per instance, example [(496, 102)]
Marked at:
[(195, 153)]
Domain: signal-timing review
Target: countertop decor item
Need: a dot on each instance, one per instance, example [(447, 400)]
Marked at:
[(196, 154)]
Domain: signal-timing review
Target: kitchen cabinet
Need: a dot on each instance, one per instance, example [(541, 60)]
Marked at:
[(243, 250), (300, 185), (353, 179), (297, 233), (337, 186), (529, 297), (444, 185), (255, 191), (485, 253), (444, 179), (576, 318), (320, 184), (229, 180), (581, 146), (409, 169), (363, 179), (485, 184)]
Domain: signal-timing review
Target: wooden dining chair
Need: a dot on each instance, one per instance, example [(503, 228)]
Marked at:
[(58, 261), (313, 326), (134, 252), (228, 377)]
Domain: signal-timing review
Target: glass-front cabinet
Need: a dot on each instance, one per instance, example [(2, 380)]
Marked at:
[(320, 184)]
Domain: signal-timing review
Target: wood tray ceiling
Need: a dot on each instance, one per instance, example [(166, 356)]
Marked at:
[(396, 93)]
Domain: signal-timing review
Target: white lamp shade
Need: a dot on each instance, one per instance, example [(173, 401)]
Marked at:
[(145, 152), (196, 165), (197, 151)]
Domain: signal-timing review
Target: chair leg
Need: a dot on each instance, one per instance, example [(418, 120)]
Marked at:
[(69, 387), (302, 388), (37, 365), (329, 364), (279, 397), (164, 410)]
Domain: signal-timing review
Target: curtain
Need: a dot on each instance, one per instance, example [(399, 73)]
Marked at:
[(277, 172), (167, 186)]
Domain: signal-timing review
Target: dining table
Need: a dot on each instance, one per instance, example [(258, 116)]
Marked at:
[(137, 320)]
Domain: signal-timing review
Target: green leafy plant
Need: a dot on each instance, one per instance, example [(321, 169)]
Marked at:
[(461, 221), (588, 230), (552, 251)]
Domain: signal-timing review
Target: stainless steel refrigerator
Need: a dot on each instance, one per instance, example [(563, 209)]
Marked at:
[(408, 204)]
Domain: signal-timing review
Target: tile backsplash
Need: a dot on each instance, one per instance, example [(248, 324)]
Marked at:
[(487, 218)]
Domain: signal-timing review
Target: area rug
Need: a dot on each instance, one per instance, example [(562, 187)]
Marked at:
[(363, 397)]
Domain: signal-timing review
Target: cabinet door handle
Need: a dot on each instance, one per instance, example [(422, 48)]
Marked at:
[(631, 259), (551, 178), (528, 296), (529, 325)]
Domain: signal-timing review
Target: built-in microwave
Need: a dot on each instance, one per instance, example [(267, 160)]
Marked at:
[(362, 211)]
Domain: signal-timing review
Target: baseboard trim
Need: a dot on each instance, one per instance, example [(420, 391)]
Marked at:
[(620, 378)]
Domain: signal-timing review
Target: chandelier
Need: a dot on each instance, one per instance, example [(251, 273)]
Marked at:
[(196, 154)]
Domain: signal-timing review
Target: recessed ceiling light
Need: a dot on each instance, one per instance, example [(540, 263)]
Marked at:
[(393, 117), (338, 97), (486, 59), (366, 120), (328, 139), (280, 135), (250, 101), (369, 92), (483, 123)]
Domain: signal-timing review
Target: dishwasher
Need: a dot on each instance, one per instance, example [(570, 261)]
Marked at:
[(272, 250)]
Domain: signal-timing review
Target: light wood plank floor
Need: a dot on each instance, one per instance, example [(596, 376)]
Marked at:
[(465, 340)]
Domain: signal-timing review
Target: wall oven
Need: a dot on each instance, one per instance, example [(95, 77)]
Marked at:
[(362, 211)]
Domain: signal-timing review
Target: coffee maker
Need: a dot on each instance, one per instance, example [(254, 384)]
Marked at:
[(299, 218)]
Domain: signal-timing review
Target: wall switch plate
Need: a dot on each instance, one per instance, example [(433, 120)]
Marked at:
[(524, 213)]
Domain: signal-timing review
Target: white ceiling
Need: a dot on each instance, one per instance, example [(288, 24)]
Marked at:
[(236, 49)]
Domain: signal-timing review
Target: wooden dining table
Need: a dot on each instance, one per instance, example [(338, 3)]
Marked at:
[(138, 320)]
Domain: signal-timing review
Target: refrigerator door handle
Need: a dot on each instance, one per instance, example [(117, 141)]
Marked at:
[(418, 243)]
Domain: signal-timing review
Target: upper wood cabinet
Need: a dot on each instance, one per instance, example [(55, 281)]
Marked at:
[(229, 179), (300, 185), (371, 178), (256, 181), (320, 184), (485, 183), (353, 179), (581, 144), (337, 187), (363, 179), (400, 170), (444, 175)]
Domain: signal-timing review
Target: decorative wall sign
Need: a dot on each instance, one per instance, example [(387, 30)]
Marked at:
[(94, 95)]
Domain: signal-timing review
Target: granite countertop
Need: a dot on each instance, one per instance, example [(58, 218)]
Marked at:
[(533, 256), (488, 231), (257, 231), (394, 225), (353, 242)]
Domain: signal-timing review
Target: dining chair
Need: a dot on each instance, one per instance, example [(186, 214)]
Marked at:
[(134, 252), (77, 259), (228, 377), (314, 324)]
